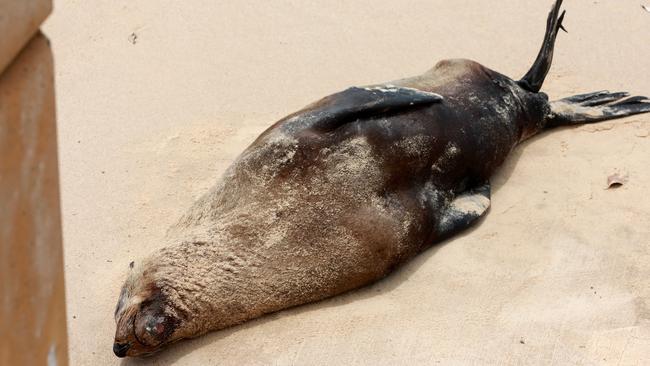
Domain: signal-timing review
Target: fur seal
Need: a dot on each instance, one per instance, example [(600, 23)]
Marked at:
[(337, 195)]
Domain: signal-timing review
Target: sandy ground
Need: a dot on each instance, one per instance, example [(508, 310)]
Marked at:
[(156, 98)]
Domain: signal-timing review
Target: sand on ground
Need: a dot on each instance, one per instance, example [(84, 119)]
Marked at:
[(156, 98)]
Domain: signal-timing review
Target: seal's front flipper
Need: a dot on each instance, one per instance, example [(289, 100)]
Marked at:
[(595, 107), (355, 103), (463, 211)]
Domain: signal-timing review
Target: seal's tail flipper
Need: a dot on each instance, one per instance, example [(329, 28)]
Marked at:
[(595, 107), (534, 78)]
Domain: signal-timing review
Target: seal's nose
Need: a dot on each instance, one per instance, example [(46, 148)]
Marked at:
[(120, 349)]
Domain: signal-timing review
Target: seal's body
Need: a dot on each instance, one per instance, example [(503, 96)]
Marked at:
[(338, 194)]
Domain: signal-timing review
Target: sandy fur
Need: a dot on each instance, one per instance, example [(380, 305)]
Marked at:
[(256, 243)]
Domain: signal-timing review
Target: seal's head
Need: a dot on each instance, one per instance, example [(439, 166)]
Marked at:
[(146, 321)]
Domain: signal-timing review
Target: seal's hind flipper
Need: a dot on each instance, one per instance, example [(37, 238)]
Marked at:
[(595, 107), (463, 211), (355, 103), (534, 78)]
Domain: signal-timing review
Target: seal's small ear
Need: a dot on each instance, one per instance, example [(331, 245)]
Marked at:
[(131, 264)]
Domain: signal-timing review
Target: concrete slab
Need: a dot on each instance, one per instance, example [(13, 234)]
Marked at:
[(32, 323), (19, 21)]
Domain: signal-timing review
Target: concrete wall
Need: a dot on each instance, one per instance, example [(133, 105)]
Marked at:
[(19, 21), (32, 313)]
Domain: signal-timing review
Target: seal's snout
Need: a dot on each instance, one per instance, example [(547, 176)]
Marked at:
[(120, 349)]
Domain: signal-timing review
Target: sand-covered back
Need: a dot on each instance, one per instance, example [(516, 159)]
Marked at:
[(156, 98)]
